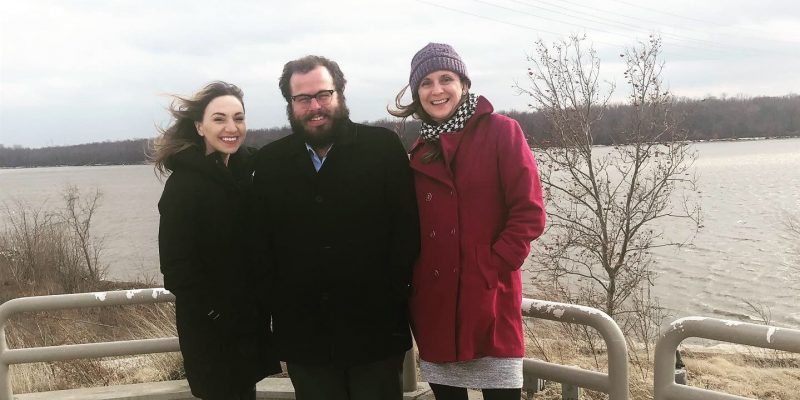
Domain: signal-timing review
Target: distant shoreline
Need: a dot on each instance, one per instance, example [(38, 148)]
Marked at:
[(744, 139)]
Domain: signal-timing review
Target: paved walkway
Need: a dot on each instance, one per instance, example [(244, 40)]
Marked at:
[(267, 389)]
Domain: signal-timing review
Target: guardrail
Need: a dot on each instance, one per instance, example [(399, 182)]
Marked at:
[(104, 349), (76, 351), (768, 337), (615, 382)]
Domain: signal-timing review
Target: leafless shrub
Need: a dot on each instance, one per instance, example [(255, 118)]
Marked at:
[(603, 203)]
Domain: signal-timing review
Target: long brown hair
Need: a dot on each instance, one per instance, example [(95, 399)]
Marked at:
[(185, 111)]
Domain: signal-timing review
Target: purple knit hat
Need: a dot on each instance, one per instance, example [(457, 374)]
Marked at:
[(434, 57)]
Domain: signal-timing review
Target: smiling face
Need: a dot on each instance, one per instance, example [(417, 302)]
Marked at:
[(223, 127), (440, 94), (316, 119)]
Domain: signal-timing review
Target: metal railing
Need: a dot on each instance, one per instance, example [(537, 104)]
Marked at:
[(615, 382), (104, 349), (77, 351), (768, 337)]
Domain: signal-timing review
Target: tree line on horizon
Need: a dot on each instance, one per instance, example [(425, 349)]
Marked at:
[(711, 118)]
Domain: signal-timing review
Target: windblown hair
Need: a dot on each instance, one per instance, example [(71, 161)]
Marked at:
[(415, 110), (182, 133)]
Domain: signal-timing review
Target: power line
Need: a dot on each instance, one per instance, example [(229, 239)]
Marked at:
[(557, 34), (705, 22), (595, 28), (711, 47), (719, 47), (618, 24)]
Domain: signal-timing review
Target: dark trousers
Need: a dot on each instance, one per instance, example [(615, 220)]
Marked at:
[(444, 392), (379, 380)]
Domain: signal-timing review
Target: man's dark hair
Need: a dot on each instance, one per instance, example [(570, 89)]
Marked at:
[(303, 66)]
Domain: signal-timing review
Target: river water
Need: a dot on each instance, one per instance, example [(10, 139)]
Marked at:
[(743, 252)]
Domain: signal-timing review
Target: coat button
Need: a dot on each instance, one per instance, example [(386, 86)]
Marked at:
[(436, 273), (452, 193), (432, 234), (318, 198), (428, 196), (453, 232)]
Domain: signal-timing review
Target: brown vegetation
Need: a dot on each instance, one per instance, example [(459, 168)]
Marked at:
[(46, 252), (733, 369), (93, 325), (37, 257)]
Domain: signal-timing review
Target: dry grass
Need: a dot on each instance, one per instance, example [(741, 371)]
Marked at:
[(756, 373), (739, 370), (52, 251), (93, 325)]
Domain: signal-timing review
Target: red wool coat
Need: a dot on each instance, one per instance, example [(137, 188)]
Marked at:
[(480, 207)]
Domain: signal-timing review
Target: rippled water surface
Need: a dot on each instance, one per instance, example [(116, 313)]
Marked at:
[(742, 253)]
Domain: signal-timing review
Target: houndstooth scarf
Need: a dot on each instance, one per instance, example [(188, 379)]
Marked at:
[(430, 133)]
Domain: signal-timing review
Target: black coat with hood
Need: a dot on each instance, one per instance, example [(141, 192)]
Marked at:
[(223, 332)]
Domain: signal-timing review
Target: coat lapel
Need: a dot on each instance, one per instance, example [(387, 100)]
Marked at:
[(450, 143), (434, 170), (299, 160)]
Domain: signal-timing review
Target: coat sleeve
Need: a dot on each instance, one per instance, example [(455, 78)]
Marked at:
[(404, 216), (522, 192), (179, 248)]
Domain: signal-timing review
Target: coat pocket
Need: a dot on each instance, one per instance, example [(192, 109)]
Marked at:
[(488, 270)]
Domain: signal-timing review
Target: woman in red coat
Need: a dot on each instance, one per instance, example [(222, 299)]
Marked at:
[(480, 206)]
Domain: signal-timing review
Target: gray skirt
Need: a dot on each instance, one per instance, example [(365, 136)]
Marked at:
[(481, 373)]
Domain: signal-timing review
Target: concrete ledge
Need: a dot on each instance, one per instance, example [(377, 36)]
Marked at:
[(267, 389)]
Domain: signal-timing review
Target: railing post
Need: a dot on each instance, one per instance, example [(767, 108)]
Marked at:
[(531, 383), (570, 392), (680, 369), (5, 377), (410, 370), (664, 384), (615, 382)]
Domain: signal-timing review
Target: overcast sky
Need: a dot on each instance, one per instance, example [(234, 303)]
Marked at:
[(95, 70)]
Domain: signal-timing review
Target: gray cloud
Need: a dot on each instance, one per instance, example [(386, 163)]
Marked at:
[(85, 71)]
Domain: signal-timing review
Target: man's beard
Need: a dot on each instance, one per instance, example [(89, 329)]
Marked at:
[(320, 136)]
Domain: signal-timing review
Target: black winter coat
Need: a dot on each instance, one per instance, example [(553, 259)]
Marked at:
[(202, 237), (338, 246)]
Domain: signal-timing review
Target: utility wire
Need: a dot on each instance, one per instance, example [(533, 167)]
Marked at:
[(583, 27), (707, 22), (716, 46), (557, 34), (612, 22)]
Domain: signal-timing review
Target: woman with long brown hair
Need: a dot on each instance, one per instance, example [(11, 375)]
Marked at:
[(223, 332)]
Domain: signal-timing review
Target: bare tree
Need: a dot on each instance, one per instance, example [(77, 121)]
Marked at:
[(77, 215), (26, 243), (605, 205)]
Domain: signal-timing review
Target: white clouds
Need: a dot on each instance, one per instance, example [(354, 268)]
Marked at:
[(78, 71)]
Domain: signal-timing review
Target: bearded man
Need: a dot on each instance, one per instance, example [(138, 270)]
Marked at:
[(337, 232)]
